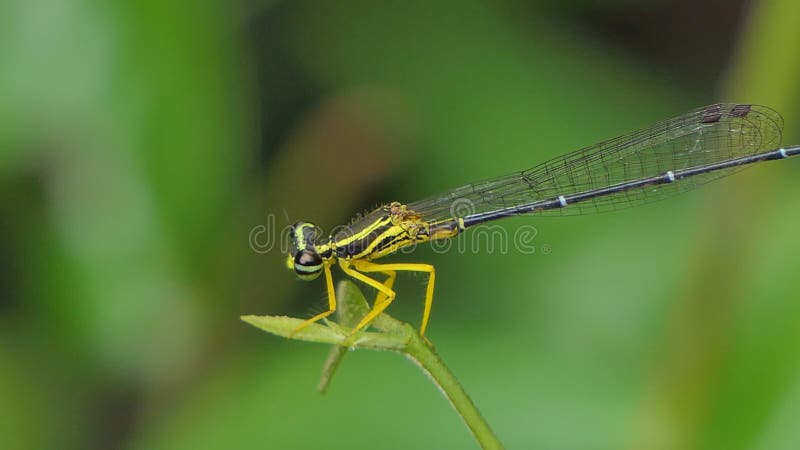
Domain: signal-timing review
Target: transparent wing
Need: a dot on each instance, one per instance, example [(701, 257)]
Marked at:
[(703, 136)]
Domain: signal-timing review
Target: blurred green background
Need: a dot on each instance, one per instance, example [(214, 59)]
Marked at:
[(142, 142)]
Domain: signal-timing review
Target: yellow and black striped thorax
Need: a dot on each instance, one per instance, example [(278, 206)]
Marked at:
[(384, 231)]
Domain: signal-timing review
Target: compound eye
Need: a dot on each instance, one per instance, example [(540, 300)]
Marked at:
[(307, 264)]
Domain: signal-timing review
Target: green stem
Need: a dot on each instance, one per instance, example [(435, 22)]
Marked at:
[(426, 358)]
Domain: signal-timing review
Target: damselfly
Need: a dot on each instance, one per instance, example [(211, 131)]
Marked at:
[(666, 158)]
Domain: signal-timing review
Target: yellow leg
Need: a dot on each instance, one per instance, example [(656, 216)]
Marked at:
[(385, 294), (389, 283), (366, 266), (331, 301)]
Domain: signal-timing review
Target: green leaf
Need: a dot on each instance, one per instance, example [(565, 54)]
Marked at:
[(394, 336)]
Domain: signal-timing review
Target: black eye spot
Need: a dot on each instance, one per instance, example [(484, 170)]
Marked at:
[(308, 264), (308, 259)]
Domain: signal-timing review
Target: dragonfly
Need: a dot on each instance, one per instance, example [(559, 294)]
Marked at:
[(664, 159)]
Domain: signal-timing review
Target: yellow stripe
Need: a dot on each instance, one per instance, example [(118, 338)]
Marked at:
[(383, 221), (400, 233)]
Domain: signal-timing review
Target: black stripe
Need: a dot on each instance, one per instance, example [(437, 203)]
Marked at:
[(388, 241), (359, 245)]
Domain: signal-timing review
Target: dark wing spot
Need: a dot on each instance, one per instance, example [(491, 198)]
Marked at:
[(740, 110), (712, 114)]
